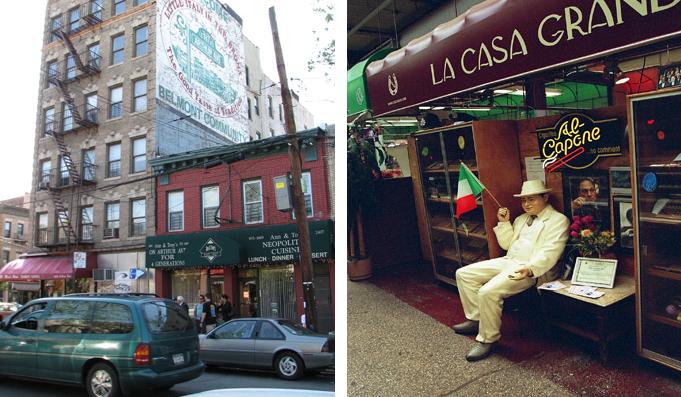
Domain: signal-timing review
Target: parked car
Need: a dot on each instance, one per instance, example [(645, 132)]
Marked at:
[(253, 392), (7, 308), (267, 343), (112, 344)]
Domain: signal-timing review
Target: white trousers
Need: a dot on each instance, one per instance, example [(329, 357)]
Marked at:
[(483, 286)]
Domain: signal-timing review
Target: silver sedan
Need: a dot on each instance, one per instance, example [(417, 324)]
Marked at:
[(266, 343)]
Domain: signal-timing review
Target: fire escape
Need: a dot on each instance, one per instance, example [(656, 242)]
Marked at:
[(68, 175)]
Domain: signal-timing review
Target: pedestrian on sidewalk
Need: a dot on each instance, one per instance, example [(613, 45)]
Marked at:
[(198, 314), (534, 243), (180, 301), (209, 315), (225, 309)]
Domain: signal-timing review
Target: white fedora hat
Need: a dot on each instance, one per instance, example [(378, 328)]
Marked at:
[(532, 187)]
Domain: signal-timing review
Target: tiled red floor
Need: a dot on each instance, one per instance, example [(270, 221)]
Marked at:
[(567, 360)]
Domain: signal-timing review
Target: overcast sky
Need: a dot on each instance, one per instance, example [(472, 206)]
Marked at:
[(21, 29)]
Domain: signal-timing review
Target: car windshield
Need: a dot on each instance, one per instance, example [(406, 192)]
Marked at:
[(162, 316), (295, 329)]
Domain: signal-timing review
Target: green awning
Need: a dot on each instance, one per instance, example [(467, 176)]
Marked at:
[(251, 245), (358, 101)]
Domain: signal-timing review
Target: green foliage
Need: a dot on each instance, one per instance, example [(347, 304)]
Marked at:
[(325, 55)]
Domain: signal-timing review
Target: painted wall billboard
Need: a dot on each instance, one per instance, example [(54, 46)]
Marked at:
[(200, 65)]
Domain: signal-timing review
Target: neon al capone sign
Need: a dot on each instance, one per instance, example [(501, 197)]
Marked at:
[(576, 141)]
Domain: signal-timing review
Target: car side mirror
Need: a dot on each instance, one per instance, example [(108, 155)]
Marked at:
[(211, 336)]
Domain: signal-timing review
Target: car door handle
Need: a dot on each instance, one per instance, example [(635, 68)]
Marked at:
[(29, 340)]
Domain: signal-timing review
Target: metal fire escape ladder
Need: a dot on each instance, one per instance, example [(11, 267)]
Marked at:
[(62, 215), (66, 156)]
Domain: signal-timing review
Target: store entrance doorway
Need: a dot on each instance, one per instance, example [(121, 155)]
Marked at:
[(249, 298), (277, 289)]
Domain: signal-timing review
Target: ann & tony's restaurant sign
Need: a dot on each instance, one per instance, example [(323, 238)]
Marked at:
[(237, 247), (499, 40), (576, 141)]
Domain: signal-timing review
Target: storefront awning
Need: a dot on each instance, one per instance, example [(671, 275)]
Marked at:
[(358, 101), (501, 40), (245, 246), (41, 268)]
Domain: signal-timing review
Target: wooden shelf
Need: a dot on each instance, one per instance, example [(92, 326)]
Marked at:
[(480, 236), (664, 320), (450, 255), (452, 168), (660, 219), (661, 273), (445, 229), (442, 200)]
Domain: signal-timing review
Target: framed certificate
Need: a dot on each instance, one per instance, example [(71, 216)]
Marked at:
[(594, 272)]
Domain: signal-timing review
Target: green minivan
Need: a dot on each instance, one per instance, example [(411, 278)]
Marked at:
[(112, 344)]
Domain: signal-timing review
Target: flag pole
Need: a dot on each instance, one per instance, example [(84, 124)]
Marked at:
[(492, 196), (484, 188)]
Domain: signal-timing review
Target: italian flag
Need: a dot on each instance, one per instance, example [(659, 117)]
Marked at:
[(469, 188)]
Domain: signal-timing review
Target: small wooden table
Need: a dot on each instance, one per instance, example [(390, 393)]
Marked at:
[(600, 320)]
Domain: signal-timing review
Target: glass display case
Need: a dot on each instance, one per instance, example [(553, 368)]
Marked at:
[(655, 146)]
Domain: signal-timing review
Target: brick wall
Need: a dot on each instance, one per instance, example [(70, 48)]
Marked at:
[(229, 179)]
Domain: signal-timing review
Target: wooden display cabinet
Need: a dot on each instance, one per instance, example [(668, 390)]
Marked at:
[(655, 146), (490, 150)]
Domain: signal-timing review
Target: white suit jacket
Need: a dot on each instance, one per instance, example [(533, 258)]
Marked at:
[(548, 246)]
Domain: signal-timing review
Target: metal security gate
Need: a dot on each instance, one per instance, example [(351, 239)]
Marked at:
[(277, 292)]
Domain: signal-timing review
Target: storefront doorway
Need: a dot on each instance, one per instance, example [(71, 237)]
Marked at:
[(248, 297)]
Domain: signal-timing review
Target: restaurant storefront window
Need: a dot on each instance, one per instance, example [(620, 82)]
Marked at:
[(187, 283)]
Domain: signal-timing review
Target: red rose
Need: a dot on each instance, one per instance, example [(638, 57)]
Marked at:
[(588, 219), (574, 234)]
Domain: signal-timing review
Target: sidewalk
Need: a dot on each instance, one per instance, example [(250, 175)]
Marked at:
[(395, 349)]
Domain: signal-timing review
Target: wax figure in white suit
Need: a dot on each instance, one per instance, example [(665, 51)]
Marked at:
[(534, 243)]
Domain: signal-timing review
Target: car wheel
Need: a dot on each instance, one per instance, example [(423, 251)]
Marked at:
[(289, 365), (102, 381)]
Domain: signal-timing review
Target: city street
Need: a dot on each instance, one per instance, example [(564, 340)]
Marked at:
[(220, 378)]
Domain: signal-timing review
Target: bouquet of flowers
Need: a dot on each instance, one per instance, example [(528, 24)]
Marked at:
[(587, 239)]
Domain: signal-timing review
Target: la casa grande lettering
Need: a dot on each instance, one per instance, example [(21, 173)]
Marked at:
[(570, 24), (281, 248)]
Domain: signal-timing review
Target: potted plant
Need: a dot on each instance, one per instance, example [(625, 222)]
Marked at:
[(363, 172)]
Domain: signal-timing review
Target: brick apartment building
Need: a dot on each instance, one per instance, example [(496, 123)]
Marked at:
[(14, 243), (111, 97), (219, 230)]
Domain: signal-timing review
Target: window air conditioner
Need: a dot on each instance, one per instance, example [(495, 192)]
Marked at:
[(103, 274), (111, 233)]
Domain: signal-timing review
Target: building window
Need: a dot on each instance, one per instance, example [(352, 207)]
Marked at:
[(112, 221), (45, 171), (5, 256), (89, 164), (118, 7), (306, 184), (74, 19), (63, 172), (175, 211), (71, 67), (248, 77), (310, 151), (86, 223), (20, 231), (96, 8), (139, 101), (42, 229), (250, 117), (114, 160), (141, 41), (67, 118), (91, 108), (52, 73), (48, 121), (115, 102), (271, 132), (253, 209), (281, 112), (270, 107), (256, 106), (61, 224), (55, 25), (139, 2), (258, 135), (117, 49), (7, 231), (93, 57), (210, 203), (139, 155), (138, 223)]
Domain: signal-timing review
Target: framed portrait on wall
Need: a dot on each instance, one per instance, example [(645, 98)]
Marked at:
[(620, 181), (587, 192), (623, 227)]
